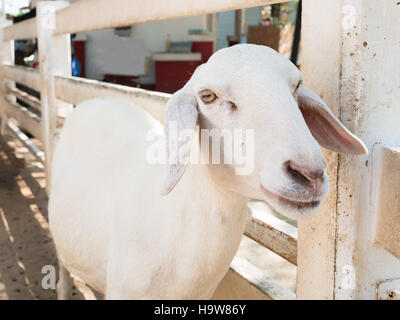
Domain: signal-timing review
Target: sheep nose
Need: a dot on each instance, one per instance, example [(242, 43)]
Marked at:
[(310, 176)]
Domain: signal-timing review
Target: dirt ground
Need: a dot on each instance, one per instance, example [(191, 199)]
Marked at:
[(25, 241)]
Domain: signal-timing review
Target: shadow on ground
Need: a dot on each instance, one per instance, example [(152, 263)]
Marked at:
[(25, 241)]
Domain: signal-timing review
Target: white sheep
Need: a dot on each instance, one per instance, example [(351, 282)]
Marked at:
[(114, 230)]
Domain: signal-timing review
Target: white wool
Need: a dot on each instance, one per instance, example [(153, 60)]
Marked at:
[(114, 230)]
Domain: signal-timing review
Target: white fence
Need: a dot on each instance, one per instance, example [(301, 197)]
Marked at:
[(334, 256)]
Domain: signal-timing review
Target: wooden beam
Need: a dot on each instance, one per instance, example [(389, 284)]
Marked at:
[(387, 163), (76, 90), (25, 97), (26, 119), (7, 53), (21, 31), (350, 53), (128, 12), (260, 280), (274, 234), (27, 76), (54, 59), (316, 240), (39, 154)]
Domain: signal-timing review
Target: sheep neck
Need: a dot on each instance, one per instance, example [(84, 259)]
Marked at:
[(213, 195)]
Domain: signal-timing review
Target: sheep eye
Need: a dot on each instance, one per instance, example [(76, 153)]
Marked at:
[(207, 96)]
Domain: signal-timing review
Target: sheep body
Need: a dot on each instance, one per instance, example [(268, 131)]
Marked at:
[(112, 228)]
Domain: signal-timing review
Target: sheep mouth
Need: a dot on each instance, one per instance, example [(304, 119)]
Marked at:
[(299, 204), (295, 204)]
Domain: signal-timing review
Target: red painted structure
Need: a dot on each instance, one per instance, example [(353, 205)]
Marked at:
[(173, 70), (206, 48), (172, 75), (79, 47)]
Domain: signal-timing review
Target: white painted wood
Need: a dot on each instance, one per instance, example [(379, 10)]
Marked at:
[(22, 30), (39, 154), (350, 57), (25, 118), (24, 75), (370, 107), (25, 97), (235, 287), (128, 12), (386, 160), (260, 280), (320, 68), (76, 90), (54, 59), (273, 233), (6, 57)]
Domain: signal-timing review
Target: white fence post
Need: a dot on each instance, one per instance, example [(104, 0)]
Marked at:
[(350, 51), (320, 57), (54, 59), (6, 57)]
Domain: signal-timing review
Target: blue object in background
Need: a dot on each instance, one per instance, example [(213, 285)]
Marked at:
[(226, 27), (76, 66)]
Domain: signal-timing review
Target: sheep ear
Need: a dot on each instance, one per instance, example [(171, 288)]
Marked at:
[(325, 127), (180, 119)]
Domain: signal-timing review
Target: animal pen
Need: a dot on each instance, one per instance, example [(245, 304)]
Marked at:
[(350, 56)]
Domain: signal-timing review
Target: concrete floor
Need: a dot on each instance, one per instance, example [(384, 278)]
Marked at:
[(25, 241)]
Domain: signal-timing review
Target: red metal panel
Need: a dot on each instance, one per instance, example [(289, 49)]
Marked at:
[(172, 75), (206, 48)]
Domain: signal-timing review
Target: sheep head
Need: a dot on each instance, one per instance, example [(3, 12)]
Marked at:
[(254, 89)]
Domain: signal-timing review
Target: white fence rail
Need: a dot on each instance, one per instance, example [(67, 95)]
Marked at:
[(39, 154), (24, 30), (25, 97), (26, 76), (274, 234), (26, 119), (128, 12), (76, 90)]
